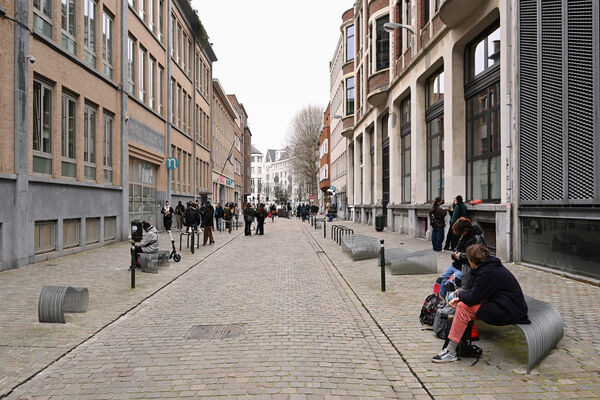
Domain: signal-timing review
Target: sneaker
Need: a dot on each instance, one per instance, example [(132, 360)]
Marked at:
[(444, 356)]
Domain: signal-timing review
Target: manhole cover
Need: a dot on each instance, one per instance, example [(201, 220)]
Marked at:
[(214, 332)]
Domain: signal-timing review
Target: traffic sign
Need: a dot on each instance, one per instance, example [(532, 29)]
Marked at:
[(172, 163), (332, 188), (311, 197)]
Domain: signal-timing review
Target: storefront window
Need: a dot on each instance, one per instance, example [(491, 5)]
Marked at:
[(142, 191)]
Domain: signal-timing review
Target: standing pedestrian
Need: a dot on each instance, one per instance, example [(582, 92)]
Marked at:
[(179, 213), (236, 214), (248, 217), (261, 214), (436, 218), (208, 223), (167, 212), (272, 211), (228, 216), (219, 214), (460, 210)]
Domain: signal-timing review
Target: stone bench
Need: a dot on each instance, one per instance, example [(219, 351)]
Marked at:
[(406, 262), (55, 301), (544, 332), (150, 262), (360, 247)]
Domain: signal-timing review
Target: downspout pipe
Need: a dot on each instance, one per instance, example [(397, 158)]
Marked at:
[(508, 125)]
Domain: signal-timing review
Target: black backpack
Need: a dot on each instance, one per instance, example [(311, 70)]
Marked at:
[(430, 307)]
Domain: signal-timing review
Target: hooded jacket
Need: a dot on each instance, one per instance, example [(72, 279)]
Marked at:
[(150, 241), (500, 295)]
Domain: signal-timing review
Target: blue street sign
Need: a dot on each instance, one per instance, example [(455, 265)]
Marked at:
[(172, 163)]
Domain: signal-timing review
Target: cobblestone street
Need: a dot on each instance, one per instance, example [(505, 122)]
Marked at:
[(313, 325)]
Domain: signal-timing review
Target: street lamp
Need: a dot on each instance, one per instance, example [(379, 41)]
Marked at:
[(391, 26), (337, 116)]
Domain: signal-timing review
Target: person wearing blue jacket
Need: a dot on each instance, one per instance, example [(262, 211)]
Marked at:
[(496, 298)]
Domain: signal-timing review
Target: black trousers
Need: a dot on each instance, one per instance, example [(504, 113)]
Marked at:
[(167, 222), (247, 228), (261, 226)]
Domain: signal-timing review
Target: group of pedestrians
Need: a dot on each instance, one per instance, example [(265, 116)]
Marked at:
[(437, 220), (304, 210), (227, 213), (260, 213)]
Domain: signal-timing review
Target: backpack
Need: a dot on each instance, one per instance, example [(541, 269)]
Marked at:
[(441, 323), (430, 307)]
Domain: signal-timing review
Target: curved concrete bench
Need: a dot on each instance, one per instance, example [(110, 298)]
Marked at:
[(149, 262), (544, 332), (360, 247), (418, 262), (55, 301)]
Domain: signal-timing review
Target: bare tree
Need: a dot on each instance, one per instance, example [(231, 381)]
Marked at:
[(303, 143)]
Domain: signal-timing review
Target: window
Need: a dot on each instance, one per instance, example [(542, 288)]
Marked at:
[(190, 56), (151, 65), (68, 18), (151, 18), (42, 17), (68, 146), (89, 143), (44, 237), (107, 149), (131, 3), (179, 55), (42, 128), (89, 32), (434, 118), (405, 144), (435, 88), (142, 9), (142, 75), (107, 44), (92, 230), (161, 78), (185, 49), (184, 112), (350, 43), (71, 233), (382, 44), (161, 17), (178, 112), (483, 54), (260, 170), (110, 228), (350, 96), (173, 101), (131, 65), (425, 13), (407, 20), (173, 25)]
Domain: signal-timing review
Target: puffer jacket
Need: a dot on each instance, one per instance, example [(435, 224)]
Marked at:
[(472, 237), (150, 241)]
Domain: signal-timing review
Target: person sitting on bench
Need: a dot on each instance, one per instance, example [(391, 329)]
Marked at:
[(149, 242), (496, 298)]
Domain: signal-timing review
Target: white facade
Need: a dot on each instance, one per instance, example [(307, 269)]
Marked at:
[(269, 171)]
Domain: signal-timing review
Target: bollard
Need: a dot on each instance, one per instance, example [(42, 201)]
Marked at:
[(132, 268), (382, 263), (325, 229)]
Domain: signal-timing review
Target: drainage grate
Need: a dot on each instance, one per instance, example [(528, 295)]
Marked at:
[(214, 332)]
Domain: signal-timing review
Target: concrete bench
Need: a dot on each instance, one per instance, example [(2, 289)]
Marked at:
[(404, 262), (149, 262), (360, 247), (544, 332), (55, 301)]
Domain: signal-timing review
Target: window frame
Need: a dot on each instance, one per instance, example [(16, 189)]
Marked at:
[(89, 32), (382, 45), (350, 110), (46, 20), (348, 37), (66, 135), (69, 39), (42, 152), (405, 150), (107, 43), (434, 113), (151, 83), (107, 147), (142, 54), (89, 137), (131, 50)]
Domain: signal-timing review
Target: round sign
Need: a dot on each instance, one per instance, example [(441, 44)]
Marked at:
[(311, 197), (172, 163)]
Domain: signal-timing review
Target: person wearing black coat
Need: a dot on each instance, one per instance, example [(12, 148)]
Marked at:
[(167, 212), (437, 216), (248, 217), (192, 217), (468, 234), (495, 298), (208, 223)]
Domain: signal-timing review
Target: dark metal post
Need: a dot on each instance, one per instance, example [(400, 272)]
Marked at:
[(382, 263), (325, 229), (132, 268)]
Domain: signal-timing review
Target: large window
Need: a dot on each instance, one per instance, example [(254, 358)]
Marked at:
[(483, 54), (107, 149), (68, 18), (161, 17), (405, 148), (142, 75), (350, 43), (151, 18), (89, 32), (407, 20), (131, 65), (434, 117), (483, 116), (42, 128), (350, 96), (382, 44), (161, 78), (142, 9), (89, 143), (68, 146), (42, 17), (151, 65), (142, 190), (107, 44)]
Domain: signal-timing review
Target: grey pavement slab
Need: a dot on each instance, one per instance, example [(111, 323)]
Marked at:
[(572, 370)]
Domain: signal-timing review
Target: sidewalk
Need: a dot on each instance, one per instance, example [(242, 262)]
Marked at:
[(26, 346), (572, 370)]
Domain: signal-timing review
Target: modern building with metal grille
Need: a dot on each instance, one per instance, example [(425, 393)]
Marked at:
[(558, 146)]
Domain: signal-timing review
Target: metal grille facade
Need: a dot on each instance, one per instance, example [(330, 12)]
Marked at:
[(558, 102)]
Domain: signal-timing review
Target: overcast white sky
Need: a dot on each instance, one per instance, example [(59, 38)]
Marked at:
[(274, 56)]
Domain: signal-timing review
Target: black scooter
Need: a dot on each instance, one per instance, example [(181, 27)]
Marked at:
[(176, 257)]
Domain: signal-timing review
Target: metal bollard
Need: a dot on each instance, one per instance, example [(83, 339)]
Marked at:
[(325, 229), (382, 263), (132, 267)]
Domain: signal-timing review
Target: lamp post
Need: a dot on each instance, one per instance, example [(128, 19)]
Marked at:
[(391, 26)]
